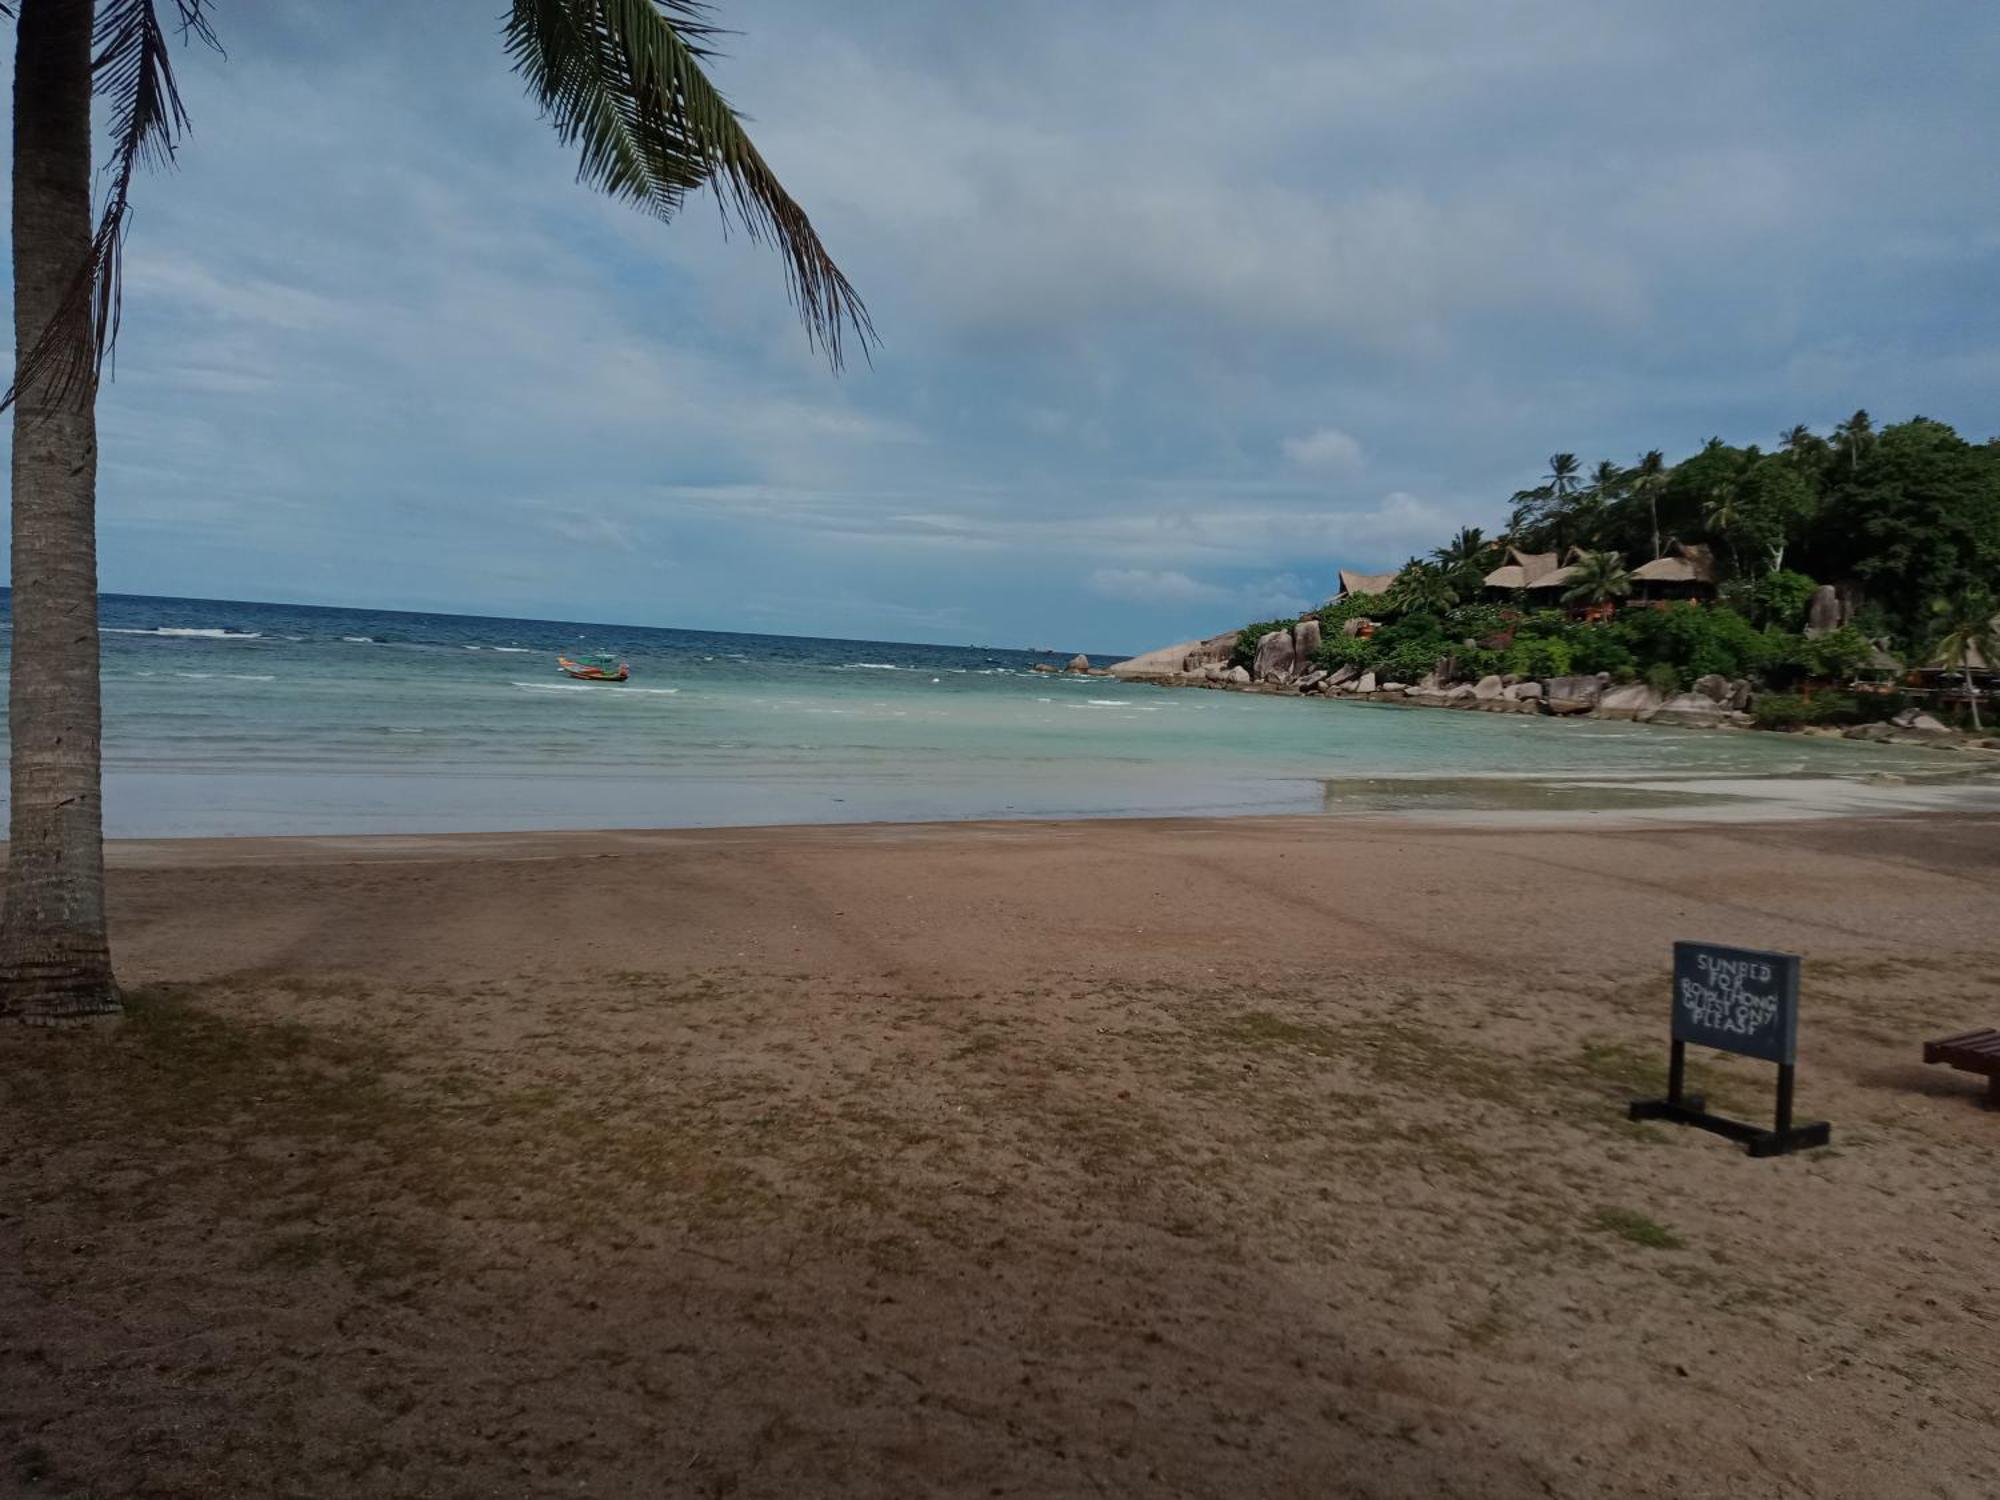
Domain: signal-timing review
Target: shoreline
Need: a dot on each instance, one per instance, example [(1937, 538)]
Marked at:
[(561, 843)]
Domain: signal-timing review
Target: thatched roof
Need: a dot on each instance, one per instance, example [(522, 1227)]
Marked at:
[(1364, 583), (1685, 562), (1522, 569), (1555, 578)]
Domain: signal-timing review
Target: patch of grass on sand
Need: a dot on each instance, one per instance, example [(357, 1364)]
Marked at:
[(1260, 1028), (1637, 1228), (1621, 1071)]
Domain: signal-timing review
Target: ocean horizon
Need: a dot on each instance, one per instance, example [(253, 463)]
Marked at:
[(233, 717)]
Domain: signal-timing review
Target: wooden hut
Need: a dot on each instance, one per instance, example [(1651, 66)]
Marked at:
[(1521, 570), (1362, 583), (1686, 571)]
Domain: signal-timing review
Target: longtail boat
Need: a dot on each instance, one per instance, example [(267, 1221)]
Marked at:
[(601, 667)]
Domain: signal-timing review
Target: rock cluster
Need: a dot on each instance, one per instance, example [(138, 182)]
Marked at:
[(1286, 661)]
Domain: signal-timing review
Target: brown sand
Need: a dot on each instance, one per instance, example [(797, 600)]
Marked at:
[(1276, 1157)]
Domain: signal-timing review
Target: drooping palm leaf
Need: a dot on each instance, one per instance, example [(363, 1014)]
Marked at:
[(622, 80), (131, 69)]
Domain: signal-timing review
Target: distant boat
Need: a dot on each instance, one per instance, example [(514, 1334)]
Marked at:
[(601, 667)]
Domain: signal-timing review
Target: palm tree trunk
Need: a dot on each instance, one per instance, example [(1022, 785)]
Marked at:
[(55, 960), (1971, 697)]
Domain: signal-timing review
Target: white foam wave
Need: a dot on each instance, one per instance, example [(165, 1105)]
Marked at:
[(360, 640), (874, 666), (190, 632), (510, 650), (602, 689)]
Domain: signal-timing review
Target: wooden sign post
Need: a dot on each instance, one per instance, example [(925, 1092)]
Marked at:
[(1743, 1001)]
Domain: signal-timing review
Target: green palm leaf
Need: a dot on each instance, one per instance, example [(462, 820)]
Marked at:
[(622, 81)]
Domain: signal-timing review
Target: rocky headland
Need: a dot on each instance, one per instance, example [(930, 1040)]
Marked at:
[(1285, 663)]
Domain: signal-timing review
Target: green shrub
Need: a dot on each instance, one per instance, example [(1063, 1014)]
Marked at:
[(1475, 622), (1779, 599), (1694, 640), (1538, 656), (1409, 660), (1664, 679), (1781, 711), (1597, 648), (1837, 655), (1340, 651)]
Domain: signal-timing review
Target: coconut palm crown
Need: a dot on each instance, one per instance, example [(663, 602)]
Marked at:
[(621, 80)]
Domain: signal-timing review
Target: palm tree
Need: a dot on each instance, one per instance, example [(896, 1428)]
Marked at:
[(1597, 578), (1562, 476), (1720, 512), (1468, 549), (1853, 437), (1420, 587), (1968, 631), (1649, 477), (619, 79)]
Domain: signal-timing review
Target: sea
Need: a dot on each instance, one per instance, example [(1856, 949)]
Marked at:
[(226, 717)]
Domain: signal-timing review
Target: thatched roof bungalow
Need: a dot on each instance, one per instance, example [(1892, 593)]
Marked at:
[(1687, 571), (1521, 570), (1363, 583), (1556, 579)]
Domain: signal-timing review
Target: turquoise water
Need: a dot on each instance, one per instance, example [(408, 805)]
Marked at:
[(236, 718)]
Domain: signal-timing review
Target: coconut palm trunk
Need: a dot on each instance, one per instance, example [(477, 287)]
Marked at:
[(54, 958)]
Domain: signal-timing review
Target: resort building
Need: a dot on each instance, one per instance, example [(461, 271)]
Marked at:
[(1521, 570), (1363, 583), (1686, 571)]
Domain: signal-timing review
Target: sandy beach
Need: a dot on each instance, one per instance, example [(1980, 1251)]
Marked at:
[(1198, 1158)]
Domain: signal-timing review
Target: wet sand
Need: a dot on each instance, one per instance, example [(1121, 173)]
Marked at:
[(1263, 1156)]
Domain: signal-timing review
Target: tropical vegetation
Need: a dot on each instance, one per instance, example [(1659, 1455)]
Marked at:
[(1904, 520), (621, 80)]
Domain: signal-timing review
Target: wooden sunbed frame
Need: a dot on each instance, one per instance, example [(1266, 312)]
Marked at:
[(1971, 1052)]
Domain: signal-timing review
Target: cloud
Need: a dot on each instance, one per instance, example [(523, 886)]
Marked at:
[(1152, 587), (1144, 275), (1326, 448)]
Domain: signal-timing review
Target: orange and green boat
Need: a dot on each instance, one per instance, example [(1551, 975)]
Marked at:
[(601, 667)]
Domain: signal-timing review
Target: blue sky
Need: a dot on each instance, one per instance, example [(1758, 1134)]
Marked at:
[(1182, 306)]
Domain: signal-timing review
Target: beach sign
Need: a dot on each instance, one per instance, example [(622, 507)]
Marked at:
[(1740, 1000)]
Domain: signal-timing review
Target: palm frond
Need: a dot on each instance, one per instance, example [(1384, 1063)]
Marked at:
[(131, 68), (622, 81)]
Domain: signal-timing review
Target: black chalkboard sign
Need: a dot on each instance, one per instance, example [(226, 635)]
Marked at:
[(1738, 1000), (1745, 1001)]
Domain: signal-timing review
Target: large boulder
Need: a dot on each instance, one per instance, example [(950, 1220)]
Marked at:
[(1462, 696), (1528, 692), (1366, 684), (1216, 649), (1713, 686), (1869, 732), (1312, 679), (1632, 700), (1168, 661), (1237, 675), (1306, 638), (1914, 721), (1738, 700), (1275, 658), (1825, 610), (1342, 675), (1689, 711), (1079, 663), (1489, 689), (1573, 695)]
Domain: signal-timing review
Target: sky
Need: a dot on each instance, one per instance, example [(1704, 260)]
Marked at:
[(1182, 306)]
